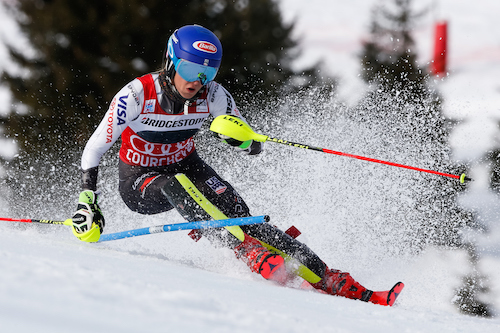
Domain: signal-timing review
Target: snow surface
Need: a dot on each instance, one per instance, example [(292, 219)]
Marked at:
[(49, 282)]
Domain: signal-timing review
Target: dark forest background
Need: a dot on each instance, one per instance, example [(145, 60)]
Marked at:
[(88, 50)]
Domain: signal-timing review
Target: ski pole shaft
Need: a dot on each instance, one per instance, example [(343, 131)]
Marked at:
[(185, 226), (461, 177), (159, 228), (237, 129), (66, 222)]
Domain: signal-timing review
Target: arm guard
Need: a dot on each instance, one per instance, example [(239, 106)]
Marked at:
[(89, 179)]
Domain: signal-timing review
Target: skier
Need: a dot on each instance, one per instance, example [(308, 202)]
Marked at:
[(156, 116)]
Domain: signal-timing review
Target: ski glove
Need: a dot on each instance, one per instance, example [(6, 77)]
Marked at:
[(88, 221), (249, 147)]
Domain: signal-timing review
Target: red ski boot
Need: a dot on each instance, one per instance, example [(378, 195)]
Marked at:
[(260, 260), (339, 283)]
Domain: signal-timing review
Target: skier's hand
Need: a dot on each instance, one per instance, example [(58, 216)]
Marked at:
[(249, 147), (88, 221)]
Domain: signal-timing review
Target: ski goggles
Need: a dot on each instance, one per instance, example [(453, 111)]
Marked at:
[(191, 71)]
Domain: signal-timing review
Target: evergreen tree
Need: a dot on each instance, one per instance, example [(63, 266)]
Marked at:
[(405, 107), (389, 65), (401, 99), (88, 49), (469, 297), (493, 158), (389, 54)]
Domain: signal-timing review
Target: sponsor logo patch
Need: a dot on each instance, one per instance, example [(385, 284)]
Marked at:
[(78, 218), (149, 106), (205, 47), (137, 151), (216, 185), (156, 229)]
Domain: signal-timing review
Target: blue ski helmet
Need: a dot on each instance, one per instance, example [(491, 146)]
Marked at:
[(195, 53)]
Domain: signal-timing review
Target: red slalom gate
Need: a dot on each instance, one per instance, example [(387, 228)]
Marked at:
[(440, 48)]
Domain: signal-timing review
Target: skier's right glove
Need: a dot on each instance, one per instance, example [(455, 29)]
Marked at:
[(249, 147), (88, 221)]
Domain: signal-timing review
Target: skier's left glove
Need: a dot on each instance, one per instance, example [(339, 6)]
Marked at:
[(249, 147), (88, 221)]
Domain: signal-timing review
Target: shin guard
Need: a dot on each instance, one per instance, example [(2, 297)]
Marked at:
[(260, 260)]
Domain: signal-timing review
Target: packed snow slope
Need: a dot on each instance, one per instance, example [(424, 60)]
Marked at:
[(49, 282)]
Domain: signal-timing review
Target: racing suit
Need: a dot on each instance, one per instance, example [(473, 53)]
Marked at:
[(157, 143)]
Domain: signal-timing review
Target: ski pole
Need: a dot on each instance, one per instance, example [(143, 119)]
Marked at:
[(238, 130), (66, 222), (159, 228), (185, 226)]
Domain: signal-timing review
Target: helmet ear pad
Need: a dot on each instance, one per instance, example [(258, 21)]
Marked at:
[(170, 68), (166, 76)]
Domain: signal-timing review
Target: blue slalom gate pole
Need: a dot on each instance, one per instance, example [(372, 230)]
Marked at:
[(185, 226)]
